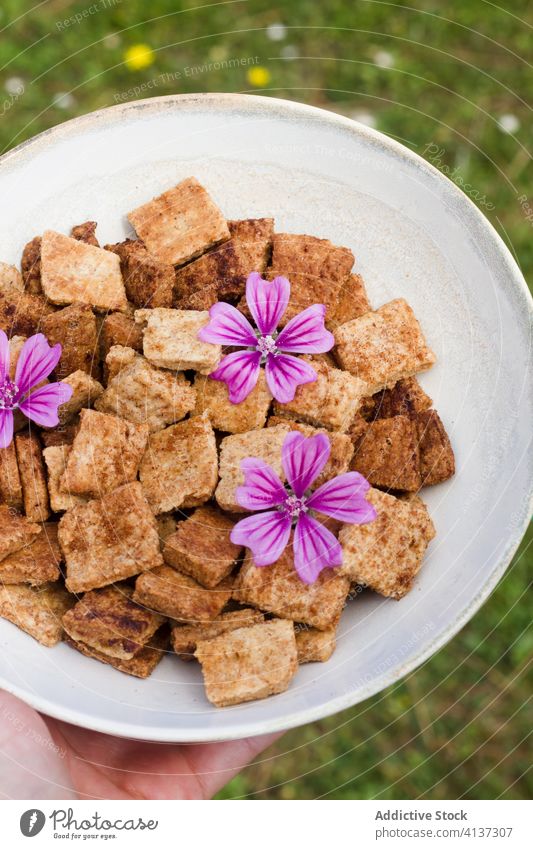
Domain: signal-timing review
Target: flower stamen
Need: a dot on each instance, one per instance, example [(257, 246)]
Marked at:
[(9, 392), (266, 345), (294, 506)]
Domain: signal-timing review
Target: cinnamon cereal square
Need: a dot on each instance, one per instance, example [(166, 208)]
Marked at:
[(179, 596), (331, 401), (279, 590), (388, 456), (180, 224), (73, 271), (35, 563), (386, 554), (437, 461), (36, 610), (15, 531), (105, 454), (10, 483), (170, 340), (250, 663), (384, 346), (109, 539), (74, 328), (149, 281), (141, 665), (180, 465), (201, 547), (32, 477), (185, 638), (110, 621), (314, 646), (142, 394), (56, 457), (118, 328)]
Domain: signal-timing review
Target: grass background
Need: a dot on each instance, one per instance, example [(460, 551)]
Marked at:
[(453, 74)]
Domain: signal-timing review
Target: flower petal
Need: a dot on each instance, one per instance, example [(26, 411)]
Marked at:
[(267, 301), (227, 326), (265, 534), (4, 356), (315, 548), (343, 498), (6, 428), (303, 459), (37, 359), (240, 372), (285, 373), (262, 487), (305, 333), (41, 406)]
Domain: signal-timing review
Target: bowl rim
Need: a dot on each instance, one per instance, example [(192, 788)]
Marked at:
[(513, 281)]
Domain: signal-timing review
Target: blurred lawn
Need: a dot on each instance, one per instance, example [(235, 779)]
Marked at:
[(444, 73)]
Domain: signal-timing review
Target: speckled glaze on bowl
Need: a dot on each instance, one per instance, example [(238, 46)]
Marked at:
[(415, 235)]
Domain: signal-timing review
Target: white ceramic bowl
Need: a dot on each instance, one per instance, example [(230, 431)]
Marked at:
[(414, 235)]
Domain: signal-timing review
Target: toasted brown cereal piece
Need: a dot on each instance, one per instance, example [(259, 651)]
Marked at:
[(61, 435), (141, 665), (180, 465), (314, 646), (353, 299), (212, 397), (185, 638), (110, 621), (316, 269), (149, 281), (36, 610), (86, 232), (144, 394), (22, 313), (75, 329), (279, 590), (15, 531), (85, 391), (30, 265), (180, 224), (10, 278), (250, 663), (387, 454), (179, 596), (265, 444), (383, 347), (105, 454), (55, 457), (331, 401), (73, 271), (437, 462), (10, 484), (221, 273), (36, 563), (110, 539), (201, 547), (386, 554), (170, 340), (405, 398), (120, 329), (340, 443), (32, 477)]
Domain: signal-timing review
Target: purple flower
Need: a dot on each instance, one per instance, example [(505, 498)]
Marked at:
[(36, 360), (267, 534), (303, 334)]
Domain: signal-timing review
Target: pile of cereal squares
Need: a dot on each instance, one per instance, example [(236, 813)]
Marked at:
[(115, 525)]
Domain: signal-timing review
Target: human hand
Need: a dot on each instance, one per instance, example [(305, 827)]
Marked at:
[(44, 758)]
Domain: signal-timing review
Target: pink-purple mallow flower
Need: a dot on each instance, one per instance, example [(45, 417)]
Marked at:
[(267, 534), (303, 334), (36, 360)]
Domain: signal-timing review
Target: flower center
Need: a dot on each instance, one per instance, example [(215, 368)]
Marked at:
[(8, 394), (293, 506), (267, 345)]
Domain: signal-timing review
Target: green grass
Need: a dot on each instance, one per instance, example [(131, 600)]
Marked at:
[(457, 726)]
